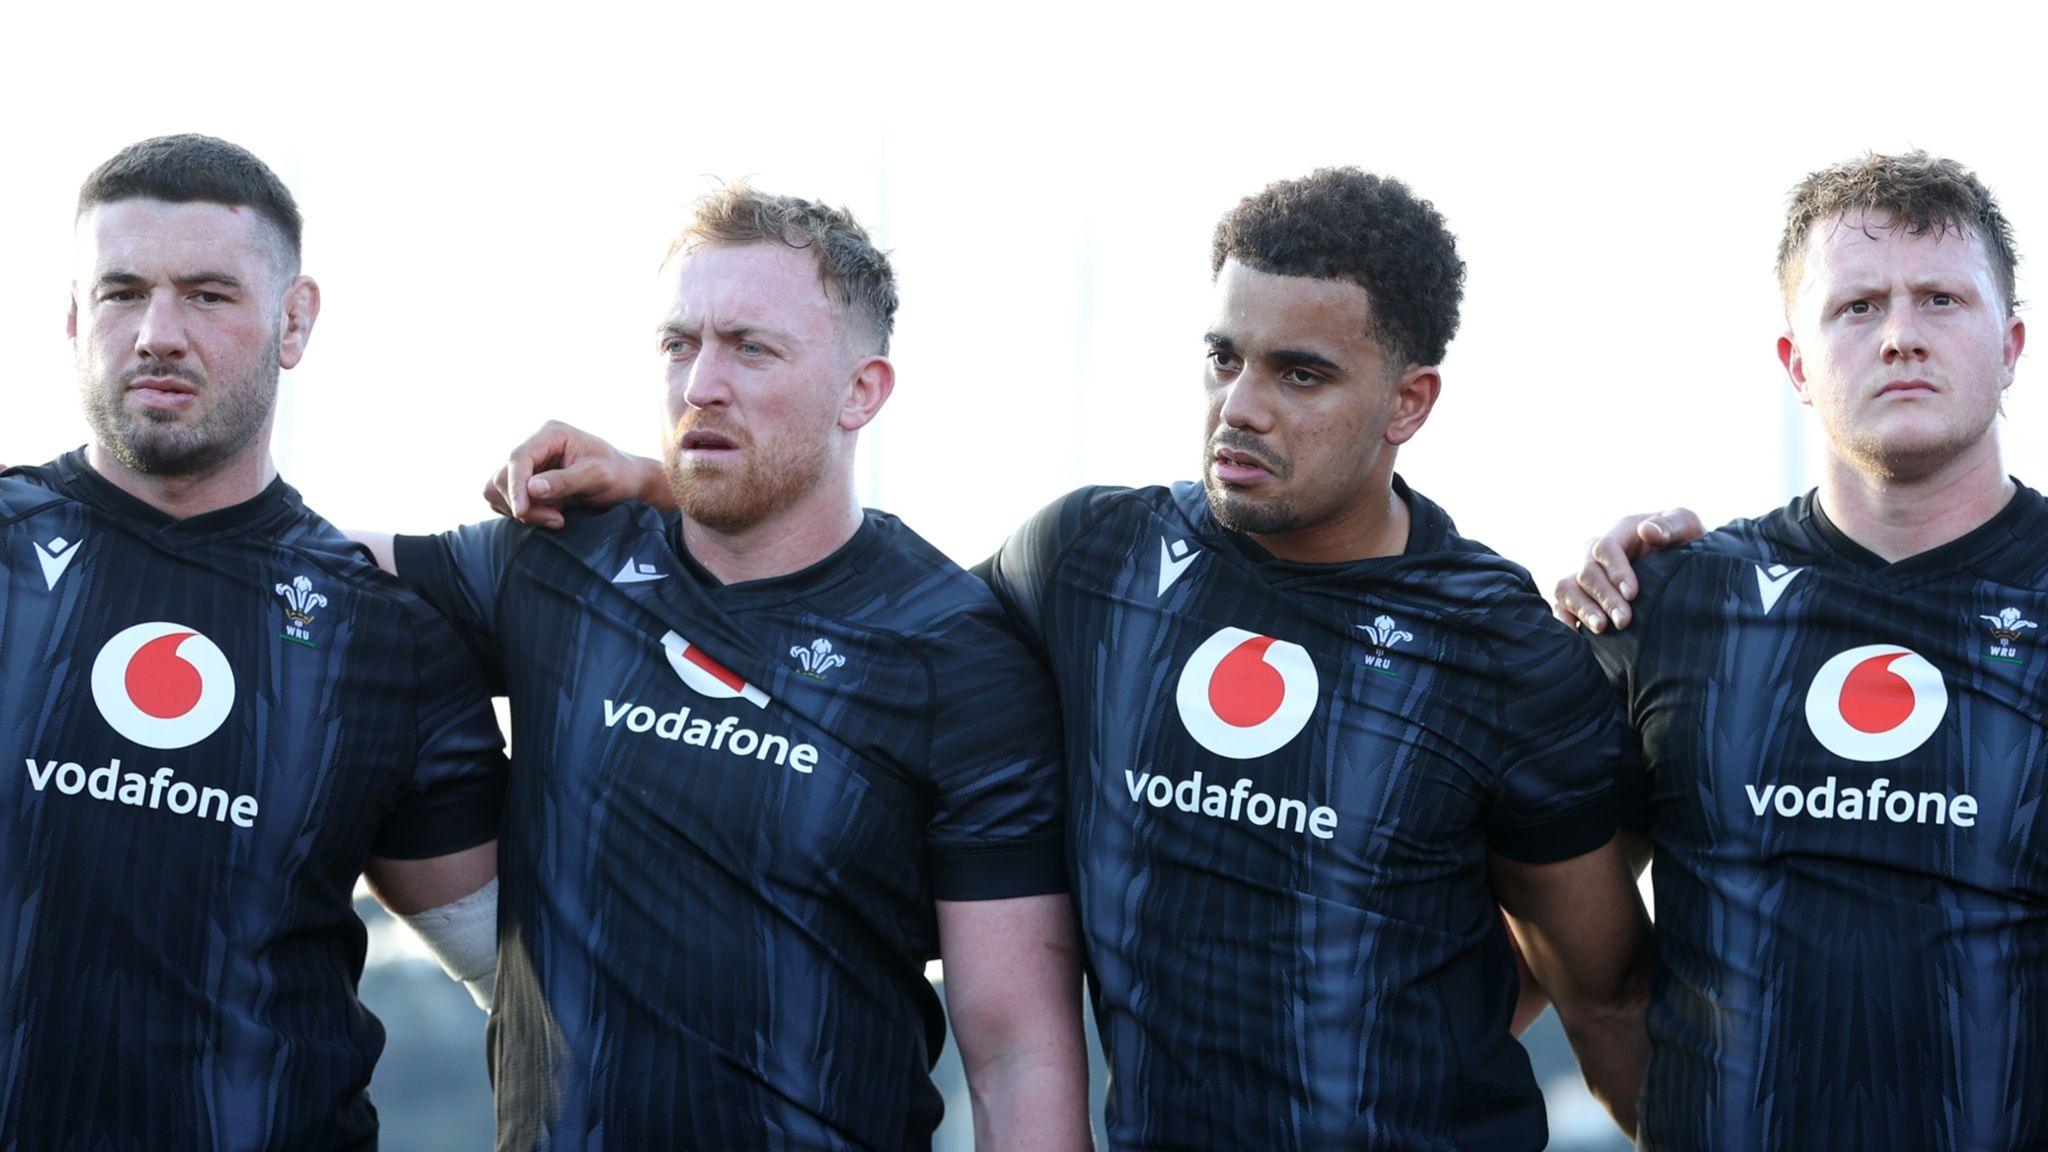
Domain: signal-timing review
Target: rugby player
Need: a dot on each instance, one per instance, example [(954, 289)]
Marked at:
[(1314, 735), (770, 757), (225, 711), (1840, 709)]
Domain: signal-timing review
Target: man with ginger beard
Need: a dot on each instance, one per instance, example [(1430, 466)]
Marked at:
[(757, 784), (1314, 736)]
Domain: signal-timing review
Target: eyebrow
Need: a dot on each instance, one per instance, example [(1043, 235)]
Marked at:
[(1279, 357), (192, 280)]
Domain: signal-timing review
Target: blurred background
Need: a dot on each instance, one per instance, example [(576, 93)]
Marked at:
[(487, 196)]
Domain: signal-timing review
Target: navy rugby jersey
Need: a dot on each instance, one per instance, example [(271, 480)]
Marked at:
[(731, 809), (214, 724), (1846, 761), (1284, 782)]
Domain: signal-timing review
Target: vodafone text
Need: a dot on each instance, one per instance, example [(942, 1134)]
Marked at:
[(159, 791), (1238, 802), (725, 736), (1825, 801)]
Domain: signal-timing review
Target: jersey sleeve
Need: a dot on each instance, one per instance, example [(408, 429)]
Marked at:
[(459, 574), (458, 783), (1619, 653), (1567, 750), (996, 827), (1021, 571)]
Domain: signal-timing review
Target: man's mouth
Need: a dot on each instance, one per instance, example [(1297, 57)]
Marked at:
[(1907, 388), (1237, 466), (700, 440)]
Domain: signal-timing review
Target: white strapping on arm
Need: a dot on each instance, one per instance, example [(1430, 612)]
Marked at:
[(463, 936)]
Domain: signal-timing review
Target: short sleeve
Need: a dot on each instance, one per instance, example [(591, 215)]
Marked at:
[(1566, 750), (1021, 571), (458, 783), (459, 574), (1619, 652), (996, 828)]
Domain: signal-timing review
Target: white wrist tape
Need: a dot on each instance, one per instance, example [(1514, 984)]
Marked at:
[(463, 936)]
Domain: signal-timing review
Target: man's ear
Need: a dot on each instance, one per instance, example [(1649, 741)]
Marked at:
[(873, 379), (1415, 395), (1795, 366), (301, 308)]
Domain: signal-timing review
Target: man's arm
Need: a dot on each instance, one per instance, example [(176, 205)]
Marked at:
[(452, 902), (1600, 591), (1581, 926), (1013, 992), (560, 466)]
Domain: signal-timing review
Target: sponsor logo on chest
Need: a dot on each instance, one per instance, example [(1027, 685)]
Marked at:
[(1871, 705), (726, 733), (162, 685)]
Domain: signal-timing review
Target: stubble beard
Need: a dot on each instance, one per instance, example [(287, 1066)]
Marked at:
[(151, 442), (1238, 511)]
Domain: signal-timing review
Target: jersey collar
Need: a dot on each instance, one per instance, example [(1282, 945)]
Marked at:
[(847, 560), (79, 479), (2023, 521)]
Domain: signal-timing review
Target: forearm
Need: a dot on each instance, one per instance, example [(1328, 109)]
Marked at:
[(1036, 1099), (1613, 1047)]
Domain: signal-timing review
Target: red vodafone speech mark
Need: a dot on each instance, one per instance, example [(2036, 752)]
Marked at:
[(1875, 698), (160, 682), (696, 656), (1245, 690)]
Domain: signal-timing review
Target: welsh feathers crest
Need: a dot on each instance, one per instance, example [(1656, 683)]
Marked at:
[(2007, 625), (1383, 632), (300, 600), (818, 659)]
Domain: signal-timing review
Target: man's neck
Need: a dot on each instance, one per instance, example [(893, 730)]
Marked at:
[(1377, 525), (789, 541), (1899, 518), (239, 478)]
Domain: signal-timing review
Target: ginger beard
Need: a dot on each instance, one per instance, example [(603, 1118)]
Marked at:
[(156, 442), (760, 478)]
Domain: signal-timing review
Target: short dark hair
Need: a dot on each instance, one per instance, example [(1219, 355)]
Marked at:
[(1915, 192), (853, 271), (186, 168), (1344, 224)]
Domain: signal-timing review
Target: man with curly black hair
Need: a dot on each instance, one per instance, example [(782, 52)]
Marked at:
[(1315, 738)]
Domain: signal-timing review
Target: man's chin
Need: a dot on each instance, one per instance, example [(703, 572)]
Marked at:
[(1241, 513)]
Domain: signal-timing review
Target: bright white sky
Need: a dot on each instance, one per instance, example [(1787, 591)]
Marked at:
[(487, 195)]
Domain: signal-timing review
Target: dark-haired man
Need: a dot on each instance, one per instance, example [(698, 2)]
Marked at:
[(1314, 736), (1840, 710), (760, 778), (225, 712)]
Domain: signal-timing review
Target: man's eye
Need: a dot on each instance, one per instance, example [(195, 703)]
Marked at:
[(675, 346), (209, 298), (1942, 300), (1860, 308), (1223, 361), (749, 348), (1302, 377)]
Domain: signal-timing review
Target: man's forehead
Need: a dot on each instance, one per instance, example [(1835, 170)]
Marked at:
[(763, 279), (1857, 240), (1334, 307), (141, 229)]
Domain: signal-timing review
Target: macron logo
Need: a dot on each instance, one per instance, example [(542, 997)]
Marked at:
[(55, 557), (1771, 583), (1174, 559), (634, 572)]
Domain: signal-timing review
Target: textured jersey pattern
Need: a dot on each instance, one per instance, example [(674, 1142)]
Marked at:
[(1845, 767), (1284, 782), (731, 810), (212, 724)]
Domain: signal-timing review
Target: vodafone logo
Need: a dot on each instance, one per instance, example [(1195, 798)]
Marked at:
[(163, 685), (1874, 703), (1243, 695), (707, 677)]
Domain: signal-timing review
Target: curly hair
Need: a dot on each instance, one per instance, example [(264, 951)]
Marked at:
[(190, 167), (854, 272), (1914, 192), (1341, 223)]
